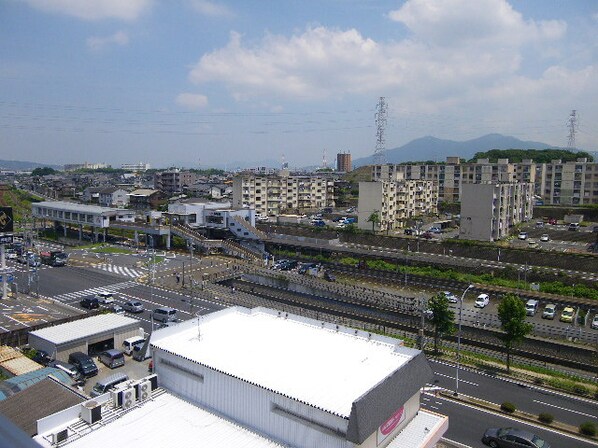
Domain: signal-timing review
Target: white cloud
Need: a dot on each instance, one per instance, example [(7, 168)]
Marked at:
[(455, 47), (211, 9), (99, 43), (192, 101), (94, 9)]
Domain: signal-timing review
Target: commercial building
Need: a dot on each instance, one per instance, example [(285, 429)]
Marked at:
[(489, 210), (282, 193), (135, 167), (343, 162), (276, 380), (90, 335), (395, 202)]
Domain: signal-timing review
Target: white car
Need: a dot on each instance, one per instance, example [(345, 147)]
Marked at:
[(594, 323), (452, 298), (544, 238), (105, 297), (482, 300), (522, 235)]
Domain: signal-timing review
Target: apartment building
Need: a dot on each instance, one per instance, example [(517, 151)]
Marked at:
[(282, 193), (395, 202), (343, 162), (174, 181), (555, 183), (490, 209)]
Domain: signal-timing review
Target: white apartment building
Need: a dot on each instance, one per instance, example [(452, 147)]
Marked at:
[(555, 183), (135, 167), (282, 193), (489, 210), (395, 202)]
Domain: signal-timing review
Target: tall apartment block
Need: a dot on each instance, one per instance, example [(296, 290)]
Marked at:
[(489, 210), (555, 183), (395, 201), (282, 193), (343, 162), (173, 181)]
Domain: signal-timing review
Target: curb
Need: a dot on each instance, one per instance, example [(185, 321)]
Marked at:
[(520, 415)]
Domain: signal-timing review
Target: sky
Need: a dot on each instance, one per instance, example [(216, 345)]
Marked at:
[(200, 83)]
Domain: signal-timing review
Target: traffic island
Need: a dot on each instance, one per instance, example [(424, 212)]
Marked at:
[(520, 415)]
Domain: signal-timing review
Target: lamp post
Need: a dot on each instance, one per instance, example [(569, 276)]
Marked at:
[(459, 339)]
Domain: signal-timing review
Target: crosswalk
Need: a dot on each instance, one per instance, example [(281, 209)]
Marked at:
[(73, 296), (120, 270)]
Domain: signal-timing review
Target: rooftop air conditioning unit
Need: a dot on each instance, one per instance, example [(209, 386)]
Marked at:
[(60, 436), (124, 398), (143, 390), (91, 412)]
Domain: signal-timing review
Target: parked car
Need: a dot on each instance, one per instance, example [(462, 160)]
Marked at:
[(435, 230), (105, 297), (531, 306), (549, 311), (90, 303), (512, 438), (452, 298), (594, 323), (539, 224), (69, 369), (544, 238), (112, 358), (116, 309), (329, 277), (41, 357), (83, 363), (306, 267), (130, 343), (482, 300), (133, 306), (552, 221), (522, 236), (567, 314), (573, 226), (408, 231), (427, 235)]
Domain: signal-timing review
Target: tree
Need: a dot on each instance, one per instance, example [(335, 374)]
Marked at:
[(441, 317), (43, 171), (374, 219), (511, 313)]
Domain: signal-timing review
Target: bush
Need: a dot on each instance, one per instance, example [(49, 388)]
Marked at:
[(588, 429), (538, 381), (508, 407), (580, 389), (545, 417)]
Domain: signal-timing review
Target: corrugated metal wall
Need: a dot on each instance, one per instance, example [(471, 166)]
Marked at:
[(281, 418)]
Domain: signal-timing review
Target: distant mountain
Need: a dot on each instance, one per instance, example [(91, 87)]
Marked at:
[(432, 148), (16, 165)]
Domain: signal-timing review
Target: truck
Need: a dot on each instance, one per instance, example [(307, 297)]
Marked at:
[(54, 258)]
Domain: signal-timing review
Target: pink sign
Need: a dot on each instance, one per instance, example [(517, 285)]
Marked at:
[(390, 425)]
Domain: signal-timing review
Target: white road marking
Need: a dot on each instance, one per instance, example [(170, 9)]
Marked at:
[(565, 409), (453, 378)]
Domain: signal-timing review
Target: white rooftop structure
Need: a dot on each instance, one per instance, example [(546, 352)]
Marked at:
[(84, 328), (163, 421), (317, 365)]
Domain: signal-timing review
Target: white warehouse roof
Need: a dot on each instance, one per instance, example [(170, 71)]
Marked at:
[(301, 358), (83, 328), (164, 421)]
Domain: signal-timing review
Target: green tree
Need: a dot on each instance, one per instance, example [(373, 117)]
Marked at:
[(374, 219), (511, 313), (43, 171), (441, 317)]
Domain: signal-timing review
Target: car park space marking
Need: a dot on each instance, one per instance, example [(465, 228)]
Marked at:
[(564, 409), (15, 320)]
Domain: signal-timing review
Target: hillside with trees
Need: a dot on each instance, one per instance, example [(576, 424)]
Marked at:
[(537, 155)]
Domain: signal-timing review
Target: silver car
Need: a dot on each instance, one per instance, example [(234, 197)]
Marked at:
[(133, 306)]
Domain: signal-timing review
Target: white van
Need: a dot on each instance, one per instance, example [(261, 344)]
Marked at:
[(129, 344), (103, 386), (531, 306), (164, 314)]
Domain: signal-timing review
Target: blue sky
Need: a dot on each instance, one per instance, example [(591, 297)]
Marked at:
[(203, 83)]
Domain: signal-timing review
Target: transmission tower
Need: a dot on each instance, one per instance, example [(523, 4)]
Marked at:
[(381, 115), (572, 125), (324, 160)]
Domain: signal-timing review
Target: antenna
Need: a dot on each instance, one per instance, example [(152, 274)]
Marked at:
[(381, 116), (572, 125)]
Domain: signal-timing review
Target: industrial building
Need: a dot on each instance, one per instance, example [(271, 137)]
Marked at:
[(261, 378), (89, 335)]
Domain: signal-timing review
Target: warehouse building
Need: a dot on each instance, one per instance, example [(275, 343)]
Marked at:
[(90, 335), (261, 378)]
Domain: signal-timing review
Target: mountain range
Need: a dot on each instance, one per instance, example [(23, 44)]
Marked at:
[(17, 165), (437, 150)]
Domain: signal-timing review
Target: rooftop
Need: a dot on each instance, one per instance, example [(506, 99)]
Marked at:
[(164, 421), (324, 365), (82, 328), (72, 207)]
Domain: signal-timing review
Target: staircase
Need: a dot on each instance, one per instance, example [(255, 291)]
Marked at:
[(254, 233)]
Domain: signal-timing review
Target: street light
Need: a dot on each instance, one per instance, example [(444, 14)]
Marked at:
[(459, 339)]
